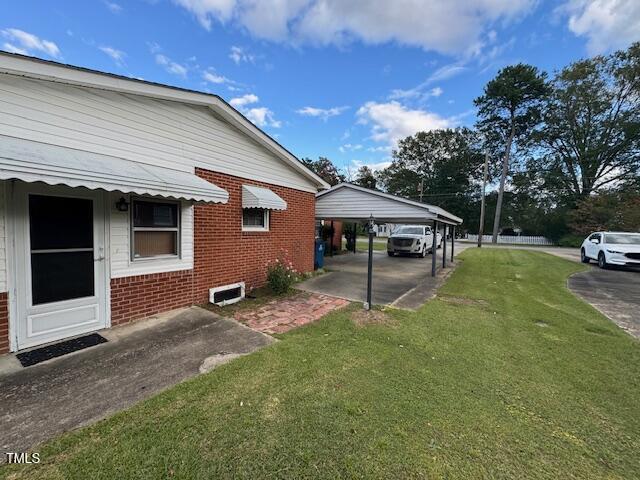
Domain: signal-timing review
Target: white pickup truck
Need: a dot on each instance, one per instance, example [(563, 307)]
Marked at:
[(412, 239)]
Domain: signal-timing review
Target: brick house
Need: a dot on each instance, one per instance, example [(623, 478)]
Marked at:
[(120, 199)]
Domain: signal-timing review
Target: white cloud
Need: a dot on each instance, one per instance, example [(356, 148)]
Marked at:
[(452, 27), (212, 77), (25, 43), (375, 166), (348, 147), (207, 10), (171, 66), (240, 55), (11, 48), (262, 117), (418, 92), (323, 113), (115, 54), (607, 24), (244, 100), (392, 121), (446, 72), (113, 7)]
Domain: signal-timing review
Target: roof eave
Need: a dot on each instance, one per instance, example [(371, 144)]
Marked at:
[(37, 68)]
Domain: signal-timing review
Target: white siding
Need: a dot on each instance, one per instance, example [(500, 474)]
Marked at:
[(348, 203), (120, 244), (3, 237), (146, 130)]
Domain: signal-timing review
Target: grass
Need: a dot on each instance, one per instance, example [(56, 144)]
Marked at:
[(504, 375), (363, 245)]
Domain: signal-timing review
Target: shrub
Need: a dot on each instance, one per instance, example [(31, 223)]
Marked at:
[(281, 275), (570, 241)]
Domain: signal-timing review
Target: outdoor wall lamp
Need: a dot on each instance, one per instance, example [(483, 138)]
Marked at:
[(122, 205)]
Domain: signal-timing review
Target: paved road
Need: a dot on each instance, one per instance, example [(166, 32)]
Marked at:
[(616, 293)]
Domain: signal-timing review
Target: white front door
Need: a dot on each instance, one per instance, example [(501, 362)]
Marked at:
[(60, 267)]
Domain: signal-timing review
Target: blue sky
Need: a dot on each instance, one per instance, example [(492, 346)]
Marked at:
[(336, 78)]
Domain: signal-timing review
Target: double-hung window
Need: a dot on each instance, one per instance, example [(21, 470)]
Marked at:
[(155, 229), (255, 219)]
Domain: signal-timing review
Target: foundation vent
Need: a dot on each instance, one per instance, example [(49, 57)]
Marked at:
[(226, 294)]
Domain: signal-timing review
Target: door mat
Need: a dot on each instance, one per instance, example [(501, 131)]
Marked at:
[(33, 357)]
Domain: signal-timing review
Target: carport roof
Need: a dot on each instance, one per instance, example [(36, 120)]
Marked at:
[(349, 202)]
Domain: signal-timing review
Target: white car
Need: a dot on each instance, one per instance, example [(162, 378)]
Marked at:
[(611, 248), (412, 239)]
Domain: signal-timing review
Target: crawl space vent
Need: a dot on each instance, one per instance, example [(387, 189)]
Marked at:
[(227, 294)]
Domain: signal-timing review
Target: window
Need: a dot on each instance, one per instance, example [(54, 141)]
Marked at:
[(255, 219), (61, 240), (155, 229)]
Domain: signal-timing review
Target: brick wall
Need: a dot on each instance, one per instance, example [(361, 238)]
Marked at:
[(337, 235), (4, 323), (141, 296), (223, 253)]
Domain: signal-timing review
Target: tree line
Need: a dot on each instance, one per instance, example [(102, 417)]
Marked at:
[(564, 153)]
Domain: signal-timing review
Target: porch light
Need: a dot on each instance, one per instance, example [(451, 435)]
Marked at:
[(122, 205)]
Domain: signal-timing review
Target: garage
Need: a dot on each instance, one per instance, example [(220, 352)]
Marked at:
[(373, 277)]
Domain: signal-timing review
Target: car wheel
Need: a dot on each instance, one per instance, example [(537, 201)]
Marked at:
[(583, 257), (391, 254), (602, 261), (424, 252)]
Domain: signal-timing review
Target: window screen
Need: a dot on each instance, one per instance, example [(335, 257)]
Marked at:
[(61, 247), (155, 229), (255, 218)]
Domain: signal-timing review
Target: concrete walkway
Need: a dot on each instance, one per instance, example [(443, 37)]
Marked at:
[(140, 360)]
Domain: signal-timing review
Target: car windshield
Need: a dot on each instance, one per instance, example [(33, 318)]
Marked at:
[(409, 231), (623, 239)]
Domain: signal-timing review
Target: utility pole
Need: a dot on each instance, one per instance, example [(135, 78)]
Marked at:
[(421, 189), (484, 187)]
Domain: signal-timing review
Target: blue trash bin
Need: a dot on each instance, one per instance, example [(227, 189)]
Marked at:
[(319, 256)]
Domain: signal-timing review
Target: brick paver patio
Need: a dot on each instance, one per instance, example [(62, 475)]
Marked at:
[(279, 316)]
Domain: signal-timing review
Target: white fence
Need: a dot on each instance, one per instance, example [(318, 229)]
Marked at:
[(512, 239)]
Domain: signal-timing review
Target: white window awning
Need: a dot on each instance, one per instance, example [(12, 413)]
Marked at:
[(40, 162), (258, 197)]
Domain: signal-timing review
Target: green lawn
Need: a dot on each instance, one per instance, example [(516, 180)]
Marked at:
[(504, 375), (363, 245)]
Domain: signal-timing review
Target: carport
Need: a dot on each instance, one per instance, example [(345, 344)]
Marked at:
[(355, 204)]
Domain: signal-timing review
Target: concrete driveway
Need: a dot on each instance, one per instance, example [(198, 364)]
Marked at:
[(140, 360), (405, 282)]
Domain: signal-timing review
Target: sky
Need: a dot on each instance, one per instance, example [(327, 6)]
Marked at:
[(344, 79)]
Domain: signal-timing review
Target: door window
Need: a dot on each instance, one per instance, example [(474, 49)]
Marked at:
[(61, 243)]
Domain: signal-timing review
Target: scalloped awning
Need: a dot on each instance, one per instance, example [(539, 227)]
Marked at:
[(40, 162), (258, 197)]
